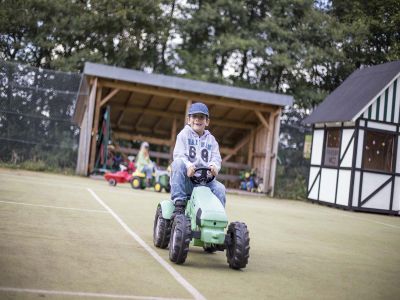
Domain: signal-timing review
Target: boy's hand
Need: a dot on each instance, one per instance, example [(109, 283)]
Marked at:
[(190, 171), (213, 170)]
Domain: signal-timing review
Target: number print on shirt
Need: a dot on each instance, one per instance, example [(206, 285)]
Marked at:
[(192, 152), (204, 155)]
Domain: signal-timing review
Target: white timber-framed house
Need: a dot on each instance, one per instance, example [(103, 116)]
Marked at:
[(355, 153)]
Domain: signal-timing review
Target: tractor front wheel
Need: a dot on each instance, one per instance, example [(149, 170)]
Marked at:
[(158, 187), (180, 239), (238, 246), (112, 182), (161, 230)]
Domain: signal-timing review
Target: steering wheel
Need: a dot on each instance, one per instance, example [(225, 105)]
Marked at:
[(202, 176)]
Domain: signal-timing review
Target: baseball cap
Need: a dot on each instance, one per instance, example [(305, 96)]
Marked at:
[(198, 108)]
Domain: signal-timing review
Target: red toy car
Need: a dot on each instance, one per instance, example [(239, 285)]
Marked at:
[(123, 176)]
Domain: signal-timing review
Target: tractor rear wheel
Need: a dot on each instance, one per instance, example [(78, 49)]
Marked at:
[(238, 247), (136, 183), (180, 239), (161, 230)]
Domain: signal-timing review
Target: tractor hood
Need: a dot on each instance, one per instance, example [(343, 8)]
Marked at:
[(208, 208)]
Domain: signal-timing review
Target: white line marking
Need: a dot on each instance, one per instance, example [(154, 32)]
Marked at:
[(83, 294), (178, 277), (58, 207)]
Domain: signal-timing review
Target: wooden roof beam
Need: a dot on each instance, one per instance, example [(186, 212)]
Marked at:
[(122, 112), (139, 137), (109, 96), (146, 89), (238, 146), (172, 115), (262, 119)]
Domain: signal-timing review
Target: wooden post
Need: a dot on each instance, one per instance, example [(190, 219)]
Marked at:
[(81, 164), (275, 145), (188, 104), (89, 124), (95, 130), (267, 160), (251, 149), (173, 138)]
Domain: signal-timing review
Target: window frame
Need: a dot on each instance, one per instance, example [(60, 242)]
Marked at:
[(324, 162), (365, 157)]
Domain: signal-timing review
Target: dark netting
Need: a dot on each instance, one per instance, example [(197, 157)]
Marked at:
[(293, 156), (36, 108)]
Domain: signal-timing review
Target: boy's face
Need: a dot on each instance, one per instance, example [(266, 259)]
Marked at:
[(198, 122)]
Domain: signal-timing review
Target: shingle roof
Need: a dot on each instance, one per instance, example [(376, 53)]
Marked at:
[(355, 94), (195, 86)]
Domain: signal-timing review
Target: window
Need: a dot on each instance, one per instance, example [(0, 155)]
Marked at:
[(378, 151), (332, 147)]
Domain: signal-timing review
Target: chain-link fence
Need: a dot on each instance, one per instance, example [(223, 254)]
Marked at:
[(36, 129), (293, 162), (36, 108)]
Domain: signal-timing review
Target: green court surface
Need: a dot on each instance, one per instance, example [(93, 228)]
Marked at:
[(66, 237)]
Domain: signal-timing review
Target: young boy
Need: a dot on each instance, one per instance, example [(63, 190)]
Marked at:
[(195, 147)]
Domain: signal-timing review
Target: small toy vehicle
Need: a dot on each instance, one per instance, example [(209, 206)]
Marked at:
[(203, 224), (159, 181), (122, 176)]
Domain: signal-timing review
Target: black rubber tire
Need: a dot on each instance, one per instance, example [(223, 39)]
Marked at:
[(180, 239), (210, 249), (237, 251), (136, 183), (161, 230), (112, 182), (167, 188)]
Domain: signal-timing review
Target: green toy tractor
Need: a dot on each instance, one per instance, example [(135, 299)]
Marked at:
[(203, 224), (159, 181)]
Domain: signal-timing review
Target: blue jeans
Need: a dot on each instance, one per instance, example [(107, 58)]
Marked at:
[(148, 171), (181, 186)]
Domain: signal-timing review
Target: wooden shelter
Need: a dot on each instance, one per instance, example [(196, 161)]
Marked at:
[(153, 108), (355, 150)]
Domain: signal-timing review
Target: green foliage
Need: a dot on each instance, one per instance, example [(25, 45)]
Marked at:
[(291, 182), (305, 48), (38, 166)]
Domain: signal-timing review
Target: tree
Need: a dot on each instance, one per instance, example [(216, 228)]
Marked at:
[(65, 34)]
